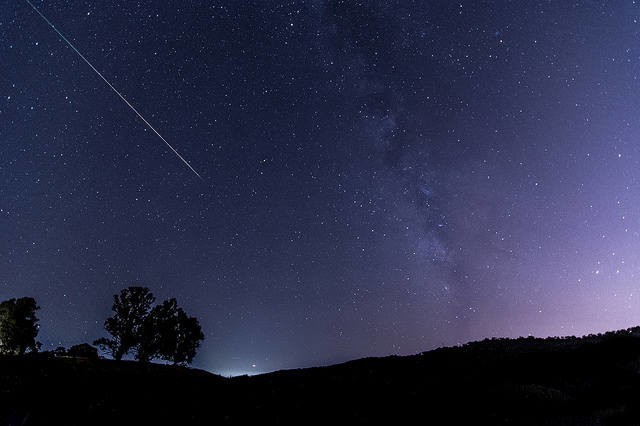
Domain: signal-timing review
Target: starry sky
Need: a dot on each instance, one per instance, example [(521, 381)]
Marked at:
[(379, 177)]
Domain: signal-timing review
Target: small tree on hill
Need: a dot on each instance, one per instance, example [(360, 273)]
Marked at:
[(170, 334), (188, 336), (18, 326), (83, 350), (164, 332), (130, 310), (157, 330), (147, 345)]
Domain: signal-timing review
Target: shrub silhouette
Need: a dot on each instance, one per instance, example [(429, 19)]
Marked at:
[(18, 326)]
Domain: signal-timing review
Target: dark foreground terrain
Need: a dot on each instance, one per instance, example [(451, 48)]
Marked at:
[(560, 381)]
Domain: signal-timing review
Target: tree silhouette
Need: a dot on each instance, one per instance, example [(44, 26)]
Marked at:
[(18, 326), (157, 330), (169, 334), (83, 350), (164, 332), (130, 310), (149, 339), (188, 336)]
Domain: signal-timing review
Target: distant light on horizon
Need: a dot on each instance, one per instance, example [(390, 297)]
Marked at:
[(238, 373)]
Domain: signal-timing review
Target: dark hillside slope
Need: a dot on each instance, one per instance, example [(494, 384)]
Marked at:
[(41, 390), (527, 381)]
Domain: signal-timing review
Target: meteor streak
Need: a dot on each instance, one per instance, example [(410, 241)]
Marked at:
[(113, 88)]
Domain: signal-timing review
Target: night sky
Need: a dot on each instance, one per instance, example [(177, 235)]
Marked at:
[(378, 178)]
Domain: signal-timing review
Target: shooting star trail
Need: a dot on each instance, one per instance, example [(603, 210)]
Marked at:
[(113, 88)]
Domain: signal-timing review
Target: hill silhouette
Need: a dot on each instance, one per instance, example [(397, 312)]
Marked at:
[(527, 381)]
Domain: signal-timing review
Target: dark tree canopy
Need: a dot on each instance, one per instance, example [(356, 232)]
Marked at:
[(170, 334), (130, 310), (18, 326), (188, 336), (165, 332), (83, 350), (158, 330)]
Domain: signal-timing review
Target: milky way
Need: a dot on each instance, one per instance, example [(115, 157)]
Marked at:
[(382, 177)]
